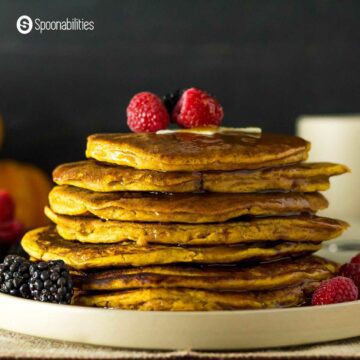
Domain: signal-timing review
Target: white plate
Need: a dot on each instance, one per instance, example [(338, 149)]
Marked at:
[(218, 330)]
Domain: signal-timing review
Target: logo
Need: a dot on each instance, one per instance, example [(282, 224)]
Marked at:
[(24, 24)]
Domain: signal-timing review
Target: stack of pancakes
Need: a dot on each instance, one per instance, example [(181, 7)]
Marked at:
[(190, 221)]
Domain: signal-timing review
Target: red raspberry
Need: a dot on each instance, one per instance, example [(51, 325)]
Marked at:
[(196, 108), (10, 231), (356, 259), (336, 290), (351, 271), (147, 113), (7, 207)]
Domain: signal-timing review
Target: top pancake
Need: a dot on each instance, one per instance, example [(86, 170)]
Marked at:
[(190, 151), (96, 176)]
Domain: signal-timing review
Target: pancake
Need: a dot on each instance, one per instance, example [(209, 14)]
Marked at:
[(304, 177), (193, 300), (46, 244), (95, 176), (192, 151), (278, 274), (187, 208), (290, 228)]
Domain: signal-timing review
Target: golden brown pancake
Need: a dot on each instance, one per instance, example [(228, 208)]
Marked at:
[(185, 151), (101, 177), (304, 177), (95, 176), (273, 275), (45, 244), (289, 228), (188, 207), (193, 300)]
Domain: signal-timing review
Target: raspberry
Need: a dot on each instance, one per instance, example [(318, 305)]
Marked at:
[(355, 259), (336, 290), (147, 113), (10, 231), (7, 207), (351, 271), (196, 108)]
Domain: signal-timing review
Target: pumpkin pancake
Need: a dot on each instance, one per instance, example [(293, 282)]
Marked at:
[(46, 244), (187, 207), (193, 151), (289, 228), (95, 176), (193, 300), (304, 177), (278, 274)]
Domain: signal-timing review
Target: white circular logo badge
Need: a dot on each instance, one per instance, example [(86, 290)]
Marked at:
[(24, 24)]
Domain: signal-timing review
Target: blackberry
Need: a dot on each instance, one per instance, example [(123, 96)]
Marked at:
[(50, 282), (14, 276), (171, 99)]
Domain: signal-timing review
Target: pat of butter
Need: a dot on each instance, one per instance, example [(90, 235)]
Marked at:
[(212, 130)]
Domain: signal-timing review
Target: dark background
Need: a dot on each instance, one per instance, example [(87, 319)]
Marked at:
[(267, 62)]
